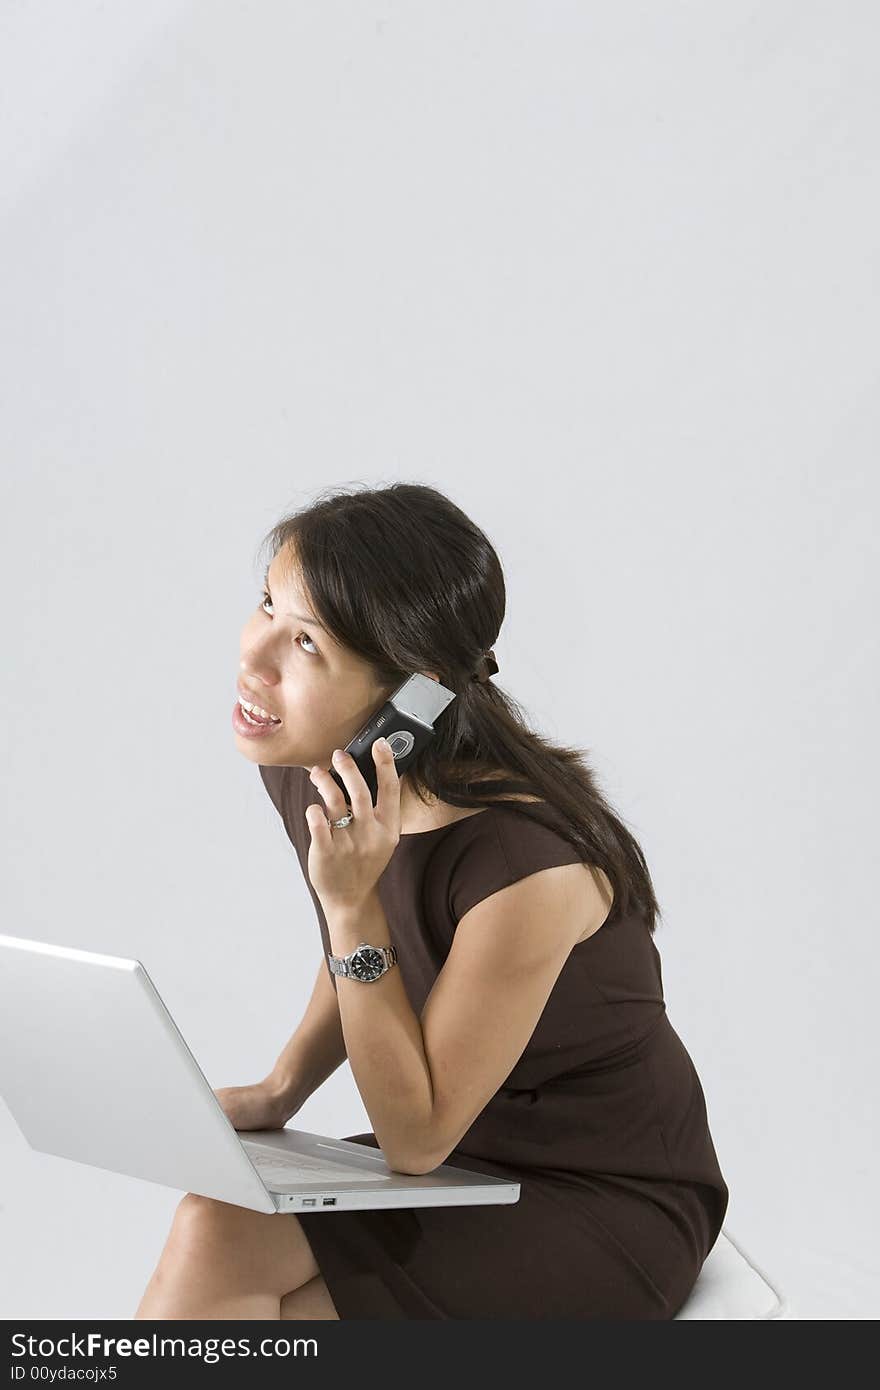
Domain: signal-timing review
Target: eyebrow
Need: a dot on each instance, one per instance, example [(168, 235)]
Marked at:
[(297, 617)]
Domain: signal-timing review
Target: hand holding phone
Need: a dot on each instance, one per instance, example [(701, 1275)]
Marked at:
[(406, 720)]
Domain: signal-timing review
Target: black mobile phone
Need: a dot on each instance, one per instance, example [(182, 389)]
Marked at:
[(406, 720)]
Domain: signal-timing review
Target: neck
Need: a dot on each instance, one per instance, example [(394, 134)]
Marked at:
[(413, 812)]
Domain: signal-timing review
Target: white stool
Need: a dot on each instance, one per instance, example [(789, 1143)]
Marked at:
[(731, 1286)]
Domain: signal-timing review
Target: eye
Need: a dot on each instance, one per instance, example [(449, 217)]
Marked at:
[(268, 599)]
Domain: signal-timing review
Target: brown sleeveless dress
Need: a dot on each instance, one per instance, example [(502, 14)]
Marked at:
[(602, 1121)]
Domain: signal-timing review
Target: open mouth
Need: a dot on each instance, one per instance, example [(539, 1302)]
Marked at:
[(257, 720)]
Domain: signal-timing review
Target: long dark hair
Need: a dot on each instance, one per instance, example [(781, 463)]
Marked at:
[(402, 577)]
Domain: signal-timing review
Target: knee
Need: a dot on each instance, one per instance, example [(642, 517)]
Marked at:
[(199, 1222)]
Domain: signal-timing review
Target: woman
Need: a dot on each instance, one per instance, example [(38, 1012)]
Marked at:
[(522, 1031)]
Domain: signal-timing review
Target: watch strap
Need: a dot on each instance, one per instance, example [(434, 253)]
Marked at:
[(339, 964)]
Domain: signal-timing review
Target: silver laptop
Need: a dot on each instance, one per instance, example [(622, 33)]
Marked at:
[(94, 1068)]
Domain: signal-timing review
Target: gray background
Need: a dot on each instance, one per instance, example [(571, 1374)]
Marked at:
[(606, 275)]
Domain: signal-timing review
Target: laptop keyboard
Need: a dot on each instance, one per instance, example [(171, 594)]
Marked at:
[(301, 1168)]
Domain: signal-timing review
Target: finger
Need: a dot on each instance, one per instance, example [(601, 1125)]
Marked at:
[(317, 823), (359, 797), (334, 801), (387, 782)]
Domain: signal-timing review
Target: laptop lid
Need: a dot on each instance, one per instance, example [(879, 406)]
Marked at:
[(94, 1069)]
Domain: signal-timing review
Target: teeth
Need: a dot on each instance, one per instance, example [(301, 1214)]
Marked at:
[(258, 710)]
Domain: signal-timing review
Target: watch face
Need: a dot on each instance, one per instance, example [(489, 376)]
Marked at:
[(366, 964)]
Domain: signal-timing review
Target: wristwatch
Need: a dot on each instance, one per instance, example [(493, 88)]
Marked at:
[(365, 963)]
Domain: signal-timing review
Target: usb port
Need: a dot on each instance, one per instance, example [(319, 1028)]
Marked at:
[(309, 1201), (328, 1201)]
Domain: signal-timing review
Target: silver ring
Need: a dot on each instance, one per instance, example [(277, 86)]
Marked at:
[(343, 820)]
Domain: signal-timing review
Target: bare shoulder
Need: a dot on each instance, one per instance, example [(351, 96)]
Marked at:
[(591, 887), (590, 896), (591, 890)]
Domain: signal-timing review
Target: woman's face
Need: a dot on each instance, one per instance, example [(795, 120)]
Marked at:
[(322, 693)]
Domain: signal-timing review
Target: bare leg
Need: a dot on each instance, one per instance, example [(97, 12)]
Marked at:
[(312, 1300), (167, 1298), (226, 1262)]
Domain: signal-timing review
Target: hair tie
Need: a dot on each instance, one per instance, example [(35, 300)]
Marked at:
[(488, 666)]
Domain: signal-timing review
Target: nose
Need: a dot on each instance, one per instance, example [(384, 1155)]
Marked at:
[(249, 674)]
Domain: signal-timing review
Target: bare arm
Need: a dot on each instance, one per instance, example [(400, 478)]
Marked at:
[(316, 1049)]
